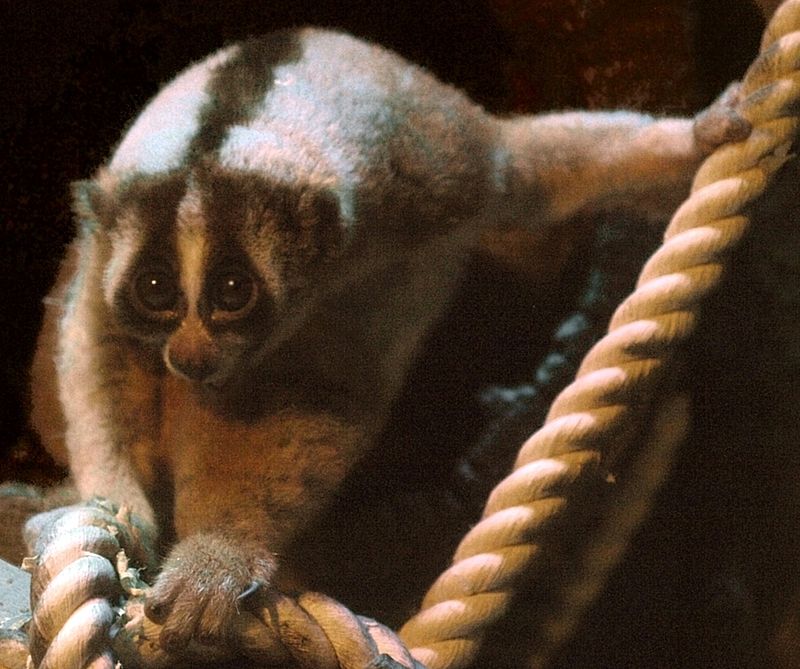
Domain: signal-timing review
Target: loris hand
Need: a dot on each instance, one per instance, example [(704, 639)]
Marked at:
[(721, 122), (202, 587)]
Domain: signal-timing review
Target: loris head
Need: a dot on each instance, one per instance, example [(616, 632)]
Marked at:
[(198, 266)]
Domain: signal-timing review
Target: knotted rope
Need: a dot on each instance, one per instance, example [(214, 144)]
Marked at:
[(592, 422), (82, 571)]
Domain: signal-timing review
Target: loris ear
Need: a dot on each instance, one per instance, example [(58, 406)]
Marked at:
[(92, 202), (83, 194)]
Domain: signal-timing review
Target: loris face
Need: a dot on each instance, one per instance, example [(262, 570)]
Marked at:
[(203, 264)]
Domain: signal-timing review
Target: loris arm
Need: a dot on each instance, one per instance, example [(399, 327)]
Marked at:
[(107, 400), (590, 161)]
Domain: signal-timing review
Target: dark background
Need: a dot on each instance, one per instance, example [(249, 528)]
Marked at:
[(709, 580)]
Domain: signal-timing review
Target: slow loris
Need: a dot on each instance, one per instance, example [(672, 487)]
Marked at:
[(254, 269)]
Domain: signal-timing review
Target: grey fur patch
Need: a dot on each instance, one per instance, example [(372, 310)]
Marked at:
[(238, 86)]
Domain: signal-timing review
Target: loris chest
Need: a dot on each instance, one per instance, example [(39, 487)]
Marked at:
[(219, 468)]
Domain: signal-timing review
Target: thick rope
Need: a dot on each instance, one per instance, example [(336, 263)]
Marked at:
[(75, 584), (589, 422), (82, 579)]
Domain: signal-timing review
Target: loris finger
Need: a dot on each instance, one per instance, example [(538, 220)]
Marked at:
[(722, 122)]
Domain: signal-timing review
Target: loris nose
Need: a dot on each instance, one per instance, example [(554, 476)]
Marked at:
[(191, 352)]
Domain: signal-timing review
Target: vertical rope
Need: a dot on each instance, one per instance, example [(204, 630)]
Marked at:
[(591, 420)]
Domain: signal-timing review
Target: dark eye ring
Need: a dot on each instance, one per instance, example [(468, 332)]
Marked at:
[(234, 292), (156, 290)]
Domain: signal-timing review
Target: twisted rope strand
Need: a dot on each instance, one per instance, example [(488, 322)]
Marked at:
[(620, 374), (83, 569), (72, 584), (632, 501)]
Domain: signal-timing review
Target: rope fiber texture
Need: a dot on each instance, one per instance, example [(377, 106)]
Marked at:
[(591, 421), (81, 574), (88, 605)]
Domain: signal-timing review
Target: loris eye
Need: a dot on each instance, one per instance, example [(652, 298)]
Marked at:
[(156, 290), (233, 291)]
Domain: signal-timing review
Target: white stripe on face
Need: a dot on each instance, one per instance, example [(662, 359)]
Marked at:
[(192, 243)]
